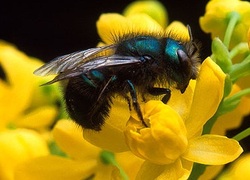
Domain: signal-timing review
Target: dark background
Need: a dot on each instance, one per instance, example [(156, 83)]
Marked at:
[(49, 29), (46, 30)]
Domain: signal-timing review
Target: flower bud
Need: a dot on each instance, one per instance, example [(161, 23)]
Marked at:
[(165, 138)]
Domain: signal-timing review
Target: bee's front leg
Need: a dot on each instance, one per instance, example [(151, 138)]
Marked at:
[(160, 91), (135, 101)]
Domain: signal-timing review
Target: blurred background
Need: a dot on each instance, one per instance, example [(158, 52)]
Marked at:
[(46, 30), (49, 29)]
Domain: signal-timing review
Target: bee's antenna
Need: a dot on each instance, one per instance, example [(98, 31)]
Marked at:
[(192, 39), (190, 33)]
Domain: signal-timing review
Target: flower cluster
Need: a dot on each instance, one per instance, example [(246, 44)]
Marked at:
[(27, 110), (182, 137)]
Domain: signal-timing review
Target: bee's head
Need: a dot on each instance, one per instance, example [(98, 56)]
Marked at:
[(182, 61)]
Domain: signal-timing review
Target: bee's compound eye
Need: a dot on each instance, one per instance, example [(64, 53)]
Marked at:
[(185, 61), (183, 57)]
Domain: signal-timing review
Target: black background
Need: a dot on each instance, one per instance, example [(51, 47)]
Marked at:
[(49, 29), (46, 30)]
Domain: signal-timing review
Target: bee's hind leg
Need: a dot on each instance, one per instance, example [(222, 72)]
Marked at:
[(135, 101), (160, 91)]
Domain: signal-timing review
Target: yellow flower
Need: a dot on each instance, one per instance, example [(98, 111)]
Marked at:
[(22, 101), (152, 8), (166, 132), (229, 121), (238, 170), (181, 121), (215, 20), (18, 146), (232, 119), (83, 160), (111, 26), (169, 146)]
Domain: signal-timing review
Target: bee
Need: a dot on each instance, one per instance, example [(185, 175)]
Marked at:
[(130, 67)]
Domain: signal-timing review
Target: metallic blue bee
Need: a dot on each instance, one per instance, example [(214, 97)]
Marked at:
[(134, 65)]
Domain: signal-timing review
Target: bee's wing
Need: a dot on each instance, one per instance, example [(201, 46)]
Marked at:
[(69, 61), (77, 63)]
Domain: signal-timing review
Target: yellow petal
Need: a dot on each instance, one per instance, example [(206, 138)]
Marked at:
[(207, 96), (178, 30), (215, 20), (111, 136), (17, 65), (104, 171), (39, 118), (130, 167), (166, 134), (144, 24), (181, 103), (212, 150), (172, 171), (17, 91), (20, 92), (17, 146), (112, 26), (45, 95), (238, 170), (154, 9), (69, 138), (211, 172), (55, 167)]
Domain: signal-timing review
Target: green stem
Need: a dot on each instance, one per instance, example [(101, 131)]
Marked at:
[(108, 157), (237, 96), (198, 170), (230, 103), (238, 49), (233, 19), (208, 126), (240, 70), (242, 135), (55, 150)]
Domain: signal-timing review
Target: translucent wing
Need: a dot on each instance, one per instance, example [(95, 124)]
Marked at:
[(77, 63), (70, 61)]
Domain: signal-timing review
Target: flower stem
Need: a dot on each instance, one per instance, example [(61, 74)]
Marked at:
[(55, 150), (239, 49), (233, 19), (227, 105), (198, 170), (240, 70), (230, 103), (209, 125), (108, 157), (242, 135)]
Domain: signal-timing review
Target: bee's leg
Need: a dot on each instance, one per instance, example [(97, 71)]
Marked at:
[(88, 81), (135, 101), (111, 79), (129, 103), (160, 91), (143, 97)]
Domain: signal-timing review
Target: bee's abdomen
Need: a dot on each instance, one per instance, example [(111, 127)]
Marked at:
[(83, 104)]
